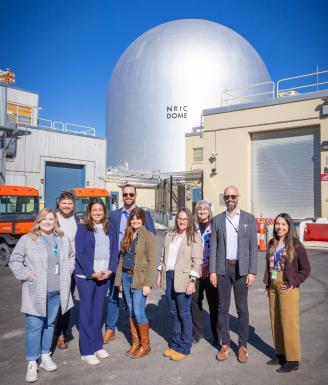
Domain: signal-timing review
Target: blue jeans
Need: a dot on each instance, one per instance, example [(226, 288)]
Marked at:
[(113, 305), (39, 331), (135, 299), (179, 305)]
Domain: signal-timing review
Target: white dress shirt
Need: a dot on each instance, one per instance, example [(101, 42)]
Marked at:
[(232, 228)]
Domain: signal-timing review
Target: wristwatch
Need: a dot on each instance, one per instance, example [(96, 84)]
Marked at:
[(192, 279)]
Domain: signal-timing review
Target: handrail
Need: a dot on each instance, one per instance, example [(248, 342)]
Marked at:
[(66, 127), (316, 84), (230, 96)]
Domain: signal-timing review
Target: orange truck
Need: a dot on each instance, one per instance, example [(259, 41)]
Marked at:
[(18, 209), (83, 196)]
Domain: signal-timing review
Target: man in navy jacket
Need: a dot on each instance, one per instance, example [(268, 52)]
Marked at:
[(118, 220)]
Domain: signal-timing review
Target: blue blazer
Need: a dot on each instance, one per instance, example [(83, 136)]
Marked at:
[(115, 220), (85, 250)]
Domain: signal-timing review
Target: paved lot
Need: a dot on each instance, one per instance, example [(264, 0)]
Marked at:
[(201, 368)]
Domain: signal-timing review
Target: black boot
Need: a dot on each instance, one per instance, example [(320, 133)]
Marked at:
[(289, 366), (280, 359)]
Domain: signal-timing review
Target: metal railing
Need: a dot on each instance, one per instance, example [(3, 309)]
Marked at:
[(313, 86), (248, 93), (66, 127), (292, 86), (164, 218)]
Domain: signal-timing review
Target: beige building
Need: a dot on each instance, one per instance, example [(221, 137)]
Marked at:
[(275, 151)]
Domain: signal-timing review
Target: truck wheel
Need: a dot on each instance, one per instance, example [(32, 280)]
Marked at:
[(5, 252)]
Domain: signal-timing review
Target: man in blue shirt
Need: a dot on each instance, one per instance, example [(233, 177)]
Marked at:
[(118, 219)]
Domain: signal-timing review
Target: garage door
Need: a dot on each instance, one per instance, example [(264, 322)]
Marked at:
[(61, 177), (286, 173)]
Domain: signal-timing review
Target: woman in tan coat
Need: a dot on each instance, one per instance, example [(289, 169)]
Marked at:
[(135, 273), (180, 266)]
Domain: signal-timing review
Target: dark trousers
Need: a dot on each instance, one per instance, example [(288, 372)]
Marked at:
[(226, 282), (179, 305), (92, 297), (203, 285), (63, 324)]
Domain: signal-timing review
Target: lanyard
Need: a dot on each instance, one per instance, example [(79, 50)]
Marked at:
[(236, 228), (54, 248), (277, 255)]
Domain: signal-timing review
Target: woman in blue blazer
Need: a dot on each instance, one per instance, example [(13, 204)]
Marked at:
[(96, 260)]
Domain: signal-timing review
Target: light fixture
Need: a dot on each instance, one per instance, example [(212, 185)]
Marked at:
[(213, 157)]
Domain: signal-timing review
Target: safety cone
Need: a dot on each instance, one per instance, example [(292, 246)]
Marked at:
[(262, 243)]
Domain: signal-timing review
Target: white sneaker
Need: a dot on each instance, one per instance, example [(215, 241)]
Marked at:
[(91, 359), (47, 363), (102, 353), (32, 372)]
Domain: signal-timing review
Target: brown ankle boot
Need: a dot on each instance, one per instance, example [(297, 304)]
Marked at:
[(144, 341), (135, 338)]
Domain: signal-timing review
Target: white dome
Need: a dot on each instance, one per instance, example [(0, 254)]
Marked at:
[(164, 80)]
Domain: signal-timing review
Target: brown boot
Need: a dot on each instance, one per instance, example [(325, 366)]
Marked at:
[(135, 338), (144, 341), (61, 343), (108, 335)]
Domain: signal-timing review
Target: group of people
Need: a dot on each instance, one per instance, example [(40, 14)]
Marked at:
[(104, 254)]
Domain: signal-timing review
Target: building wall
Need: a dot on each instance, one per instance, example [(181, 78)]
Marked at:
[(228, 133), (33, 151)]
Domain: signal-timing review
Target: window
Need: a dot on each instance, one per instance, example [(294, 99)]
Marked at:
[(198, 154)]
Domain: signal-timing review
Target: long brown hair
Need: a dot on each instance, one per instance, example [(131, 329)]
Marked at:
[(36, 231), (290, 239), (88, 221), (128, 236), (190, 231)]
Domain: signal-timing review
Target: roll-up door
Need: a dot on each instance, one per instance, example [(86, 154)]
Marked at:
[(60, 177), (286, 173)]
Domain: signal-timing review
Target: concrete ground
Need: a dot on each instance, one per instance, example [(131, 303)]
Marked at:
[(201, 368)]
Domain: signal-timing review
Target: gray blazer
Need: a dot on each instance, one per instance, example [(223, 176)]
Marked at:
[(29, 255), (247, 244), (189, 262)]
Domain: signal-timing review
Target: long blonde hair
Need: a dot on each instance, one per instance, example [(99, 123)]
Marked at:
[(36, 231)]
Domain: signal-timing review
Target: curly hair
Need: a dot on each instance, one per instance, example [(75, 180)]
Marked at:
[(128, 236)]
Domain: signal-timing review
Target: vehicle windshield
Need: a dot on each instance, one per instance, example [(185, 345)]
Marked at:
[(81, 204), (11, 204)]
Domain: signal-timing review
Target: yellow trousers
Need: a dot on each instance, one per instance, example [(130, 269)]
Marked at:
[(285, 325)]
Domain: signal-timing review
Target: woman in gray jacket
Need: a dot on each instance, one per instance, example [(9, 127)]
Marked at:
[(43, 261)]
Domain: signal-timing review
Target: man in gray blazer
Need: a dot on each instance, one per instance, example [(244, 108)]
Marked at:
[(233, 264)]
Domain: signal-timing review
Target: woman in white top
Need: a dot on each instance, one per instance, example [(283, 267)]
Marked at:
[(180, 266)]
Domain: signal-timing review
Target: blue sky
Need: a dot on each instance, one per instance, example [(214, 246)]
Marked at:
[(66, 50)]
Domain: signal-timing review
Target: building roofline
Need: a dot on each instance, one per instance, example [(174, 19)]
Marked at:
[(265, 103), (67, 133)]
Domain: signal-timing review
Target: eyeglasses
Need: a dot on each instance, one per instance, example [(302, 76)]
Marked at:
[(182, 219), (130, 195), (233, 197)]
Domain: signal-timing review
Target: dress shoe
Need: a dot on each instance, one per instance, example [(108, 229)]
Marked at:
[(278, 360), (176, 356), (223, 353), (168, 352), (242, 355), (109, 335), (289, 366), (61, 343)]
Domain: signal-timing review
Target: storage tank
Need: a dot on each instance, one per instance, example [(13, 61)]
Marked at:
[(164, 80)]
